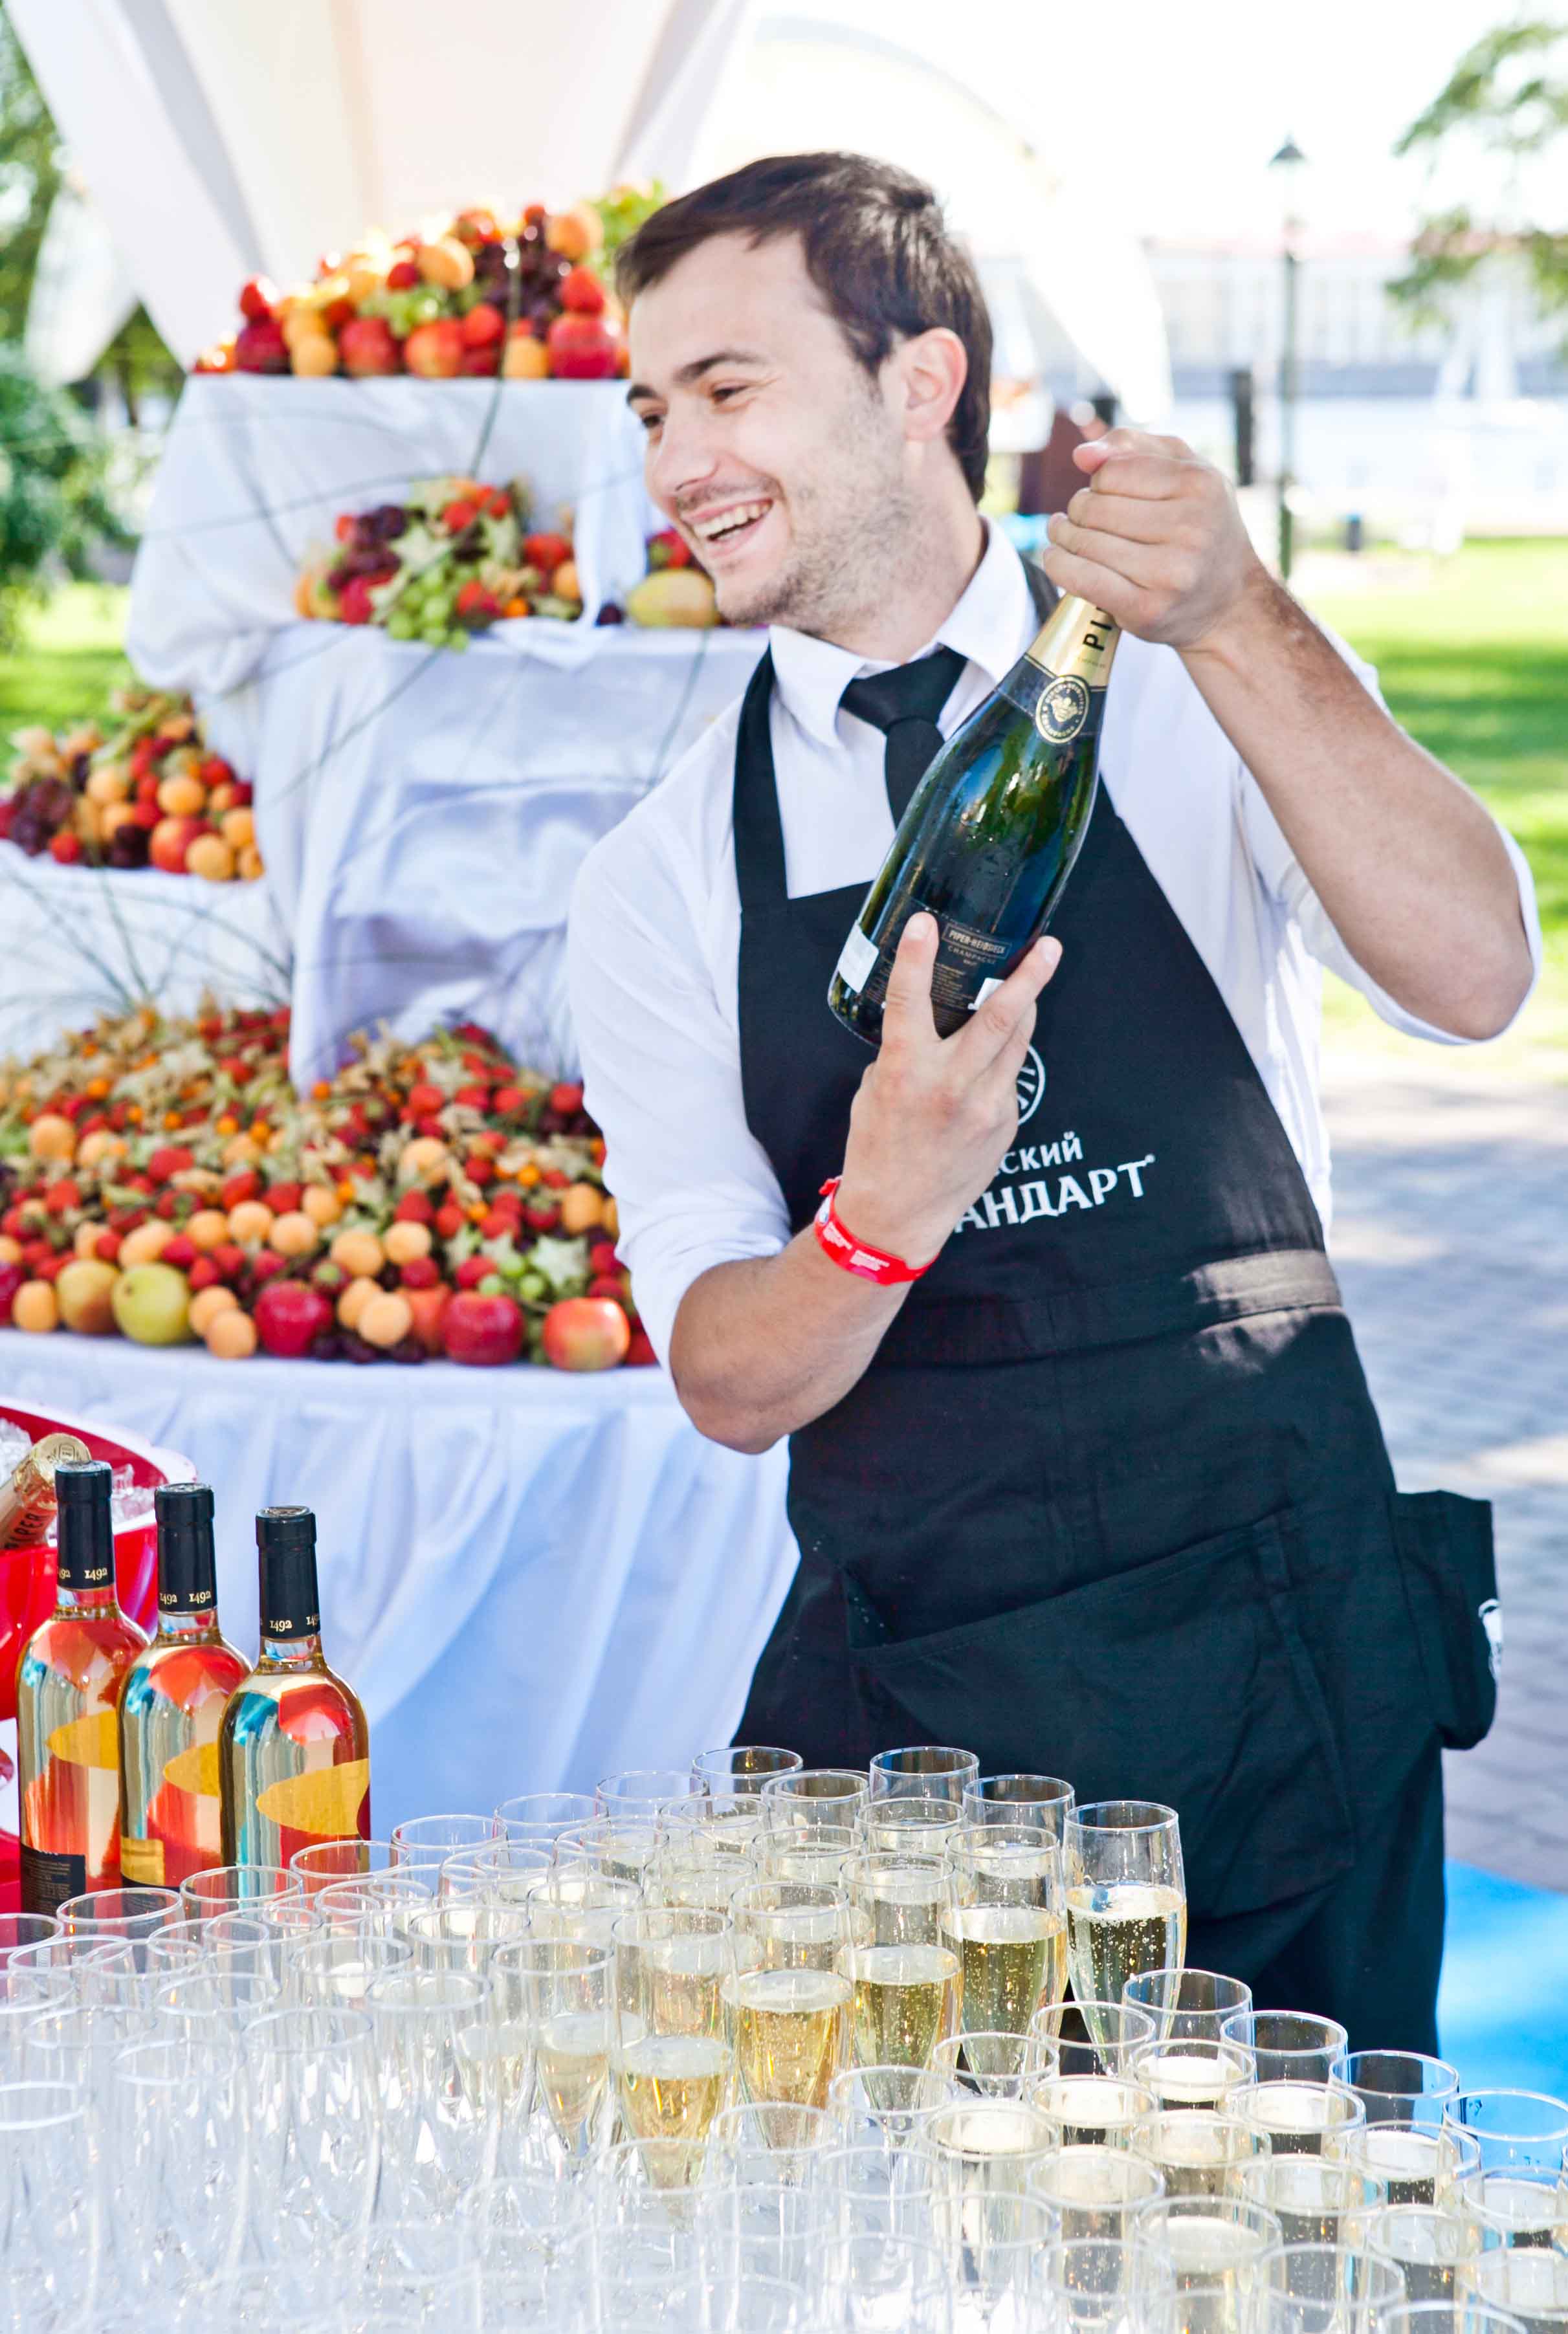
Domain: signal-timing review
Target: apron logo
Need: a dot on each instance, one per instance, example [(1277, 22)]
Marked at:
[(1062, 709), (1490, 1616), (1031, 1086)]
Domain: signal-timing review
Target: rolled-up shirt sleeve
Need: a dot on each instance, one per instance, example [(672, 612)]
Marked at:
[(661, 1063), (1284, 875)]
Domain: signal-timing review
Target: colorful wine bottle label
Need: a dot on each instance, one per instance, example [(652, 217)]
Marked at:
[(49, 1879)]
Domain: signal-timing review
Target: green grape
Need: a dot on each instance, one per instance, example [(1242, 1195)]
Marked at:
[(400, 624)]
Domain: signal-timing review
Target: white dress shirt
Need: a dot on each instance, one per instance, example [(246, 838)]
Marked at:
[(655, 921)]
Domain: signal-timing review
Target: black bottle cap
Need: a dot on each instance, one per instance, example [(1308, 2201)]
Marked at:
[(187, 1571), (83, 1489), (285, 1544)]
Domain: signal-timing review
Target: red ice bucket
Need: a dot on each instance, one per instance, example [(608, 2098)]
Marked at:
[(27, 1575)]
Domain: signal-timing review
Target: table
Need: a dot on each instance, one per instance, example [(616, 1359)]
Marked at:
[(531, 1578), (79, 941)]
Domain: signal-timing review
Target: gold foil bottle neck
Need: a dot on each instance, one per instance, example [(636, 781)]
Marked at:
[(1077, 640), (27, 1501)]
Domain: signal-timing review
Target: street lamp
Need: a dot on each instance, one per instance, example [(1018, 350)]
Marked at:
[(1291, 163)]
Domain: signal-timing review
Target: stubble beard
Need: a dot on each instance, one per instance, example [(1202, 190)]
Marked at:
[(855, 528)]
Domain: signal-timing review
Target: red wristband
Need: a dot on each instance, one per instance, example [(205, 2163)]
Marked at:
[(851, 1254)]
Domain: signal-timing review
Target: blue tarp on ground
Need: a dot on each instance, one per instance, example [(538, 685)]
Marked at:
[(1503, 2010)]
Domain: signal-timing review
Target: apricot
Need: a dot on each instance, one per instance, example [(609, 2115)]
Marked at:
[(182, 797), (219, 799), (208, 1303), (83, 1291), (294, 1233), (250, 866), (147, 1243), (446, 263), (207, 1228), (241, 1150), (10, 1249), (50, 1136), (109, 783), (239, 826), (85, 1243), (321, 1206), (211, 857), (98, 1145), (403, 1242), (251, 1221), (312, 358), (425, 1160), (610, 1219), (575, 233), (385, 1318), (525, 358), (581, 1208), (36, 1306), (230, 1335), (355, 1298), (359, 1253)]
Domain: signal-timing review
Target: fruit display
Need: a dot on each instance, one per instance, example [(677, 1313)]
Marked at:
[(139, 789), (675, 591), (163, 1180), (526, 297), (453, 558)]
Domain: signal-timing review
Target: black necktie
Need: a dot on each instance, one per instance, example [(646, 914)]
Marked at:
[(904, 705)]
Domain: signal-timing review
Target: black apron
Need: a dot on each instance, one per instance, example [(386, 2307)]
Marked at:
[(1111, 1501)]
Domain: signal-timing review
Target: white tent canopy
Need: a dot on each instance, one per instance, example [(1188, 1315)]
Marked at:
[(218, 142)]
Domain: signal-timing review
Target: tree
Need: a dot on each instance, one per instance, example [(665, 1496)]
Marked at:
[(55, 509), (1508, 101)]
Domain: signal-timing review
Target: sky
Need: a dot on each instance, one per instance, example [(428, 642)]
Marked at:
[(1171, 111)]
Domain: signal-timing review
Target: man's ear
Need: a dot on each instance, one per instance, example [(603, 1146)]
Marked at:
[(928, 373)]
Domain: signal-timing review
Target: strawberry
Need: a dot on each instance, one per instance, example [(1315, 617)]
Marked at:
[(472, 1270), (545, 551), (265, 1262), (421, 1272), (449, 1221), (606, 1284), (423, 1100), (106, 1247), (169, 1159), (669, 548), (179, 1251), (229, 1259), (258, 299), (460, 512), (498, 1223), (145, 814), (557, 1177), (640, 1350), (402, 276), (602, 1258), (481, 363), (245, 1185), (65, 846), (505, 1101), (480, 1170), (499, 503), (414, 1207), (63, 1196), (204, 1272), (473, 1097), (566, 1097), (283, 1198), (354, 605), (477, 604), (165, 1204), (541, 1218)]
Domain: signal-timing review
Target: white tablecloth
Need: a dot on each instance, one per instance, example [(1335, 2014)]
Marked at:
[(421, 813), (77, 941), (532, 1578)]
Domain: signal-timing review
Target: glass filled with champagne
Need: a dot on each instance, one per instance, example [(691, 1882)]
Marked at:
[(789, 1999), (1007, 1925), (903, 1971), (670, 2048), (1126, 1903), (1411, 2162), (1296, 2118), (1197, 2151)]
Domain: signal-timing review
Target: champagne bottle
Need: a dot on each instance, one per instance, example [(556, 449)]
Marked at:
[(27, 1496), (293, 1749), (67, 1689), (171, 1705), (991, 832)]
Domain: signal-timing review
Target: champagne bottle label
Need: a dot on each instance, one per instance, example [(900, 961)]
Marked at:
[(49, 1878), (141, 1862)]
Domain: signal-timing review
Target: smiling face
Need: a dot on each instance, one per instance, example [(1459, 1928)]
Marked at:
[(784, 463)]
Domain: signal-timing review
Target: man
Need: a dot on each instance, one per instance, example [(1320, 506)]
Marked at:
[(1095, 1488)]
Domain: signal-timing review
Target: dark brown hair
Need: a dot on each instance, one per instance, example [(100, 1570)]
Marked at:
[(876, 245)]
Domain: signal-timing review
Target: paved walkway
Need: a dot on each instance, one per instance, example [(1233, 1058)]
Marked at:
[(1451, 1240)]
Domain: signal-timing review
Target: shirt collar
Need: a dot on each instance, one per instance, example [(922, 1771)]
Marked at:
[(990, 625)]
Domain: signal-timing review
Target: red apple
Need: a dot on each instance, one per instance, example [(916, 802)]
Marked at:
[(12, 1277), (586, 1333), (261, 348), (435, 351), (641, 1350), (482, 1329), (288, 1314), (171, 839), (367, 346), (429, 1308), (581, 348)]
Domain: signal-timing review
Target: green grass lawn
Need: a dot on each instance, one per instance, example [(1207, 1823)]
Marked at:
[(1472, 652)]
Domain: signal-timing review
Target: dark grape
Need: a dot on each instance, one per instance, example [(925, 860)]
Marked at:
[(408, 1349), (129, 846), (610, 615), (327, 1347)]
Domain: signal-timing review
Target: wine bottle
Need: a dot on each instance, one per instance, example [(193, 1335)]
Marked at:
[(67, 1689), (991, 832), (27, 1496), (171, 1705), (293, 1749)]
